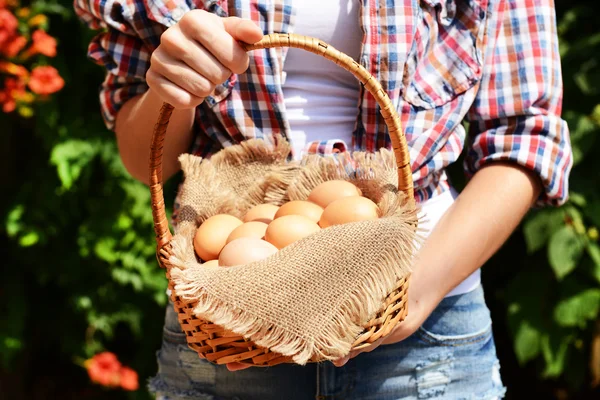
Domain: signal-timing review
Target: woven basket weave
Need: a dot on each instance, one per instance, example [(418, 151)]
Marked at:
[(211, 341)]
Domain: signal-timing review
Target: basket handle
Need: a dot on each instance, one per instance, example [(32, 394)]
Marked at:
[(313, 45)]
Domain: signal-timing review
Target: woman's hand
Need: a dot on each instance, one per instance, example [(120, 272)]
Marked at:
[(417, 314), (419, 308), (198, 53), (474, 227)]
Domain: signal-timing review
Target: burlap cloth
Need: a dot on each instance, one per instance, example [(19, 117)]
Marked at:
[(311, 299)]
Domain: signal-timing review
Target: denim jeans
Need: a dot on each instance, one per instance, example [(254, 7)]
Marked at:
[(452, 356)]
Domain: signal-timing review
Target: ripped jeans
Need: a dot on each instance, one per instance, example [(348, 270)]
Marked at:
[(452, 356)]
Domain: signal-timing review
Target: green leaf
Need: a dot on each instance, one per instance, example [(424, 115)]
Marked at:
[(526, 342), (10, 347), (50, 7), (12, 343), (70, 158), (568, 19), (125, 277), (538, 228), (593, 250), (578, 199), (105, 249), (576, 218), (83, 302), (13, 220), (555, 350), (575, 310), (564, 251), (124, 222), (525, 312), (29, 239), (583, 132), (587, 78)]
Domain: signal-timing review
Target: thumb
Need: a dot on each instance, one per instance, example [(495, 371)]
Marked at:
[(242, 30), (237, 366), (340, 362)]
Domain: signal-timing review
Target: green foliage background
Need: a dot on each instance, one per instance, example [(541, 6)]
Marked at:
[(79, 273)]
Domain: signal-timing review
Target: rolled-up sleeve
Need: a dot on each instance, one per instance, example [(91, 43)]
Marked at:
[(516, 113), (130, 31)]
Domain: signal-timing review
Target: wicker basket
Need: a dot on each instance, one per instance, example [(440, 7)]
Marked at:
[(214, 343)]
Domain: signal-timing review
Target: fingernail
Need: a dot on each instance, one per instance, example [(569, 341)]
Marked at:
[(340, 363)]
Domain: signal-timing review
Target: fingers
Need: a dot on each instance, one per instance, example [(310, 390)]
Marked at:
[(209, 32), (237, 366), (175, 45), (171, 92), (242, 30), (181, 75), (340, 362), (198, 53)]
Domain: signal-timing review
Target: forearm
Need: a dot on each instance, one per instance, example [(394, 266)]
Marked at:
[(483, 216), (134, 127)]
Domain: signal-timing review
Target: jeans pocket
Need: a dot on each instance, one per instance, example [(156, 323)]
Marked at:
[(174, 337), (172, 332), (455, 340), (458, 321), (446, 57)]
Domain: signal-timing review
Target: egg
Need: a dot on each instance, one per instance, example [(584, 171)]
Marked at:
[(255, 229), (262, 212), (300, 207), (349, 209), (211, 263), (329, 191), (212, 235), (286, 230), (245, 250)]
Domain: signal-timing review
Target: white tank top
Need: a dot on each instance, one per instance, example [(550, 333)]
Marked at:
[(321, 98)]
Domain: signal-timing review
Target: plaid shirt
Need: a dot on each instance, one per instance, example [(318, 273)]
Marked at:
[(493, 63)]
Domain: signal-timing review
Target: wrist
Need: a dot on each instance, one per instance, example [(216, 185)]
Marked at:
[(429, 284), (135, 126)]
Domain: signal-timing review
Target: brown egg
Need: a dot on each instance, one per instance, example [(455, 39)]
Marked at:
[(288, 229), (300, 207), (329, 191), (245, 250), (262, 212), (255, 229), (349, 209), (212, 235), (211, 263)]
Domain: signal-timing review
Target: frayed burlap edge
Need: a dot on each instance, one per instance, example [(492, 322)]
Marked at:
[(373, 173), (336, 336)]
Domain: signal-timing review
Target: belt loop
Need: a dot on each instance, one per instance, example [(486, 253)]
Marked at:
[(318, 395)]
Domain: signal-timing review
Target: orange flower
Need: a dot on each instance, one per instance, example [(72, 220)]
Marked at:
[(15, 46), (42, 44), (39, 19), (7, 3), (45, 80), (13, 69), (129, 379), (8, 26), (23, 12), (104, 368), (14, 89)]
